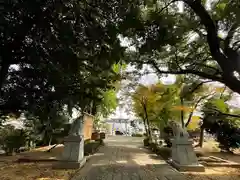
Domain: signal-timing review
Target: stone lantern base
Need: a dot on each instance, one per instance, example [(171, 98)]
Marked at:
[(73, 153), (184, 157)]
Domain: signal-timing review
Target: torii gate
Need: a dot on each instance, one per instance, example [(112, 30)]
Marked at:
[(120, 121)]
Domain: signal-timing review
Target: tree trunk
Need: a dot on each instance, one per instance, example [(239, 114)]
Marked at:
[(201, 137), (50, 140), (94, 108), (3, 75), (189, 119), (145, 125), (182, 114), (149, 129), (148, 123), (226, 64), (195, 106)]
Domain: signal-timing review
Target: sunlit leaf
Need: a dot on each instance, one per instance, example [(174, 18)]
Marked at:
[(220, 89), (221, 6), (220, 104)]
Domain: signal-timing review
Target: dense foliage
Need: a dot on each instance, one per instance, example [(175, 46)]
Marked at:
[(57, 55), (168, 102), (224, 126), (12, 139), (60, 55)]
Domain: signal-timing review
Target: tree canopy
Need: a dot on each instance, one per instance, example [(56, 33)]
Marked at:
[(57, 53), (202, 39), (222, 121), (157, 103)]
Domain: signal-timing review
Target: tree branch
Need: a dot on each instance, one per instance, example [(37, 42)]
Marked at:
[(226, 114), (185, 71), (211, 28), (217, 71), (235, 44), (200, 84), (195, 106), (165, 7)]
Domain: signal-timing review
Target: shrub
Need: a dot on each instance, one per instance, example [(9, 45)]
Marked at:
[(12, 139), (168, 131), (164, 152), (146, 142), (137, 135), (168, 134), (92, 147), (227, 133), (153, 147), (87, 141), (168, 142)]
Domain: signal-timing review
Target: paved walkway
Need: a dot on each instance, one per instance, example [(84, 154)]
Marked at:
[(124, 158)]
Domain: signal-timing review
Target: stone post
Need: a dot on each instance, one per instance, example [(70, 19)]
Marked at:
[(183, 155), (73, 152)]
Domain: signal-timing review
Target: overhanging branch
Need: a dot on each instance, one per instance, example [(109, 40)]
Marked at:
[(185, 71), (200, 84), (226, 114), (211, 28)]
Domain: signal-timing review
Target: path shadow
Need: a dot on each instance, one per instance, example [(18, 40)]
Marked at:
[(148, 172)]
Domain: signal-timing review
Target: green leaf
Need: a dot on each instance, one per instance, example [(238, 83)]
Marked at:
[(221, 6), (220, 105)]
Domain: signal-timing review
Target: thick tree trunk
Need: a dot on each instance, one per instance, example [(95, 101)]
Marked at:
[(201, 137)]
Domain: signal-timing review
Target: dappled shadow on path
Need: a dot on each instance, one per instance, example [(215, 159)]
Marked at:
[(123, 162), (126, 162)]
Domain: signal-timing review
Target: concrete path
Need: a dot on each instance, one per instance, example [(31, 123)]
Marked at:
[(124, 158)]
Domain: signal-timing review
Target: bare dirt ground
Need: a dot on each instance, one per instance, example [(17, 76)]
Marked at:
[(210, 148), (39, 169), (125, 154)]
